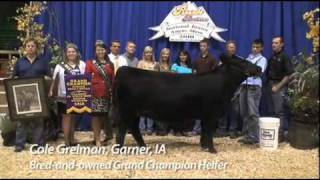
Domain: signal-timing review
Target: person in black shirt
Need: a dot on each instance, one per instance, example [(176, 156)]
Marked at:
[(278, 76)]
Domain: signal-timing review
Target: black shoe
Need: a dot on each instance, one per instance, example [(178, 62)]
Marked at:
[(178, 134), (18, 149), (149, 132)]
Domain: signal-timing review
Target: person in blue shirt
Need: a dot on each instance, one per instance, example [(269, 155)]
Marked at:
[(250, 94), (183, 65), (31, 65)]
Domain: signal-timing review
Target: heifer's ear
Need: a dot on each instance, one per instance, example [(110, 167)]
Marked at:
[(224, 58)]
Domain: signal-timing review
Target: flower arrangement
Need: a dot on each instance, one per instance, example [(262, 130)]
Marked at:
[(313, 23)]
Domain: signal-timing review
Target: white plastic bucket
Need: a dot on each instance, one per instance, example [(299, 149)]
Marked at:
[(268, 133)]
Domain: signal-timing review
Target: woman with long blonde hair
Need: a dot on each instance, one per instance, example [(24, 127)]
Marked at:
[(164, 61), (148, 62)]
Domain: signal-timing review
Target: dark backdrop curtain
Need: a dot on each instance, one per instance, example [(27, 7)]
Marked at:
[(84, 22)]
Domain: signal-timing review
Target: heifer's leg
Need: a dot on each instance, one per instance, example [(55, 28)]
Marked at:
[(121, 132), (210, 141), (203, 140), (208, 125), (211, 128), (135, 131)]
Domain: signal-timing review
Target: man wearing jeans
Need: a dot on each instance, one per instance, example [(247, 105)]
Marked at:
[(250, 94), (31, 65), (278, 71)]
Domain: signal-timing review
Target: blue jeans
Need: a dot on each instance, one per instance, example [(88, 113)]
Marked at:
[(249, 110), (35, 126), (143, 126), (276, 102)]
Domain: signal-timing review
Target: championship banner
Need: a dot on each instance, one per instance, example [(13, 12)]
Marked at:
[(187, 23), (79, 96)]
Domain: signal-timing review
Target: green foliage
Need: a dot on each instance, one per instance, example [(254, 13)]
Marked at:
[(304, 88), (57, 54)]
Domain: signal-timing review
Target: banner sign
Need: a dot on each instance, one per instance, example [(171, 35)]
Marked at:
[(79, 96), (187, 23)]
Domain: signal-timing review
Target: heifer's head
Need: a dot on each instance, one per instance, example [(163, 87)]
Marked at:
[(241, 65)]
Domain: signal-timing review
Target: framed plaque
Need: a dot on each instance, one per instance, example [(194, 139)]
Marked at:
[(27, 98)]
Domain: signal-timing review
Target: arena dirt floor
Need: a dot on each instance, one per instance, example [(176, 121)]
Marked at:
[(183, 159)]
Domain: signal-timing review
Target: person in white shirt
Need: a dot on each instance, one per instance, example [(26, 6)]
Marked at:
[(71, 65), (115, 56)]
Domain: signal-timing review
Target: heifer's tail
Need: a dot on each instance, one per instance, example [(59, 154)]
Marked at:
[(115, 87), (114, 115)]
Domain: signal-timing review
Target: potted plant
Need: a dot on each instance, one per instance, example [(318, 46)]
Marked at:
[(304, 92)]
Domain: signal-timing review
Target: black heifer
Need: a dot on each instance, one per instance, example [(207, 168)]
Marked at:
[(175, 97)]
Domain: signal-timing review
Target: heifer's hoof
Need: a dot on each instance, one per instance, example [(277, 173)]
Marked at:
[(142, 145), (204, 146), (204, 149), (212, 150)]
